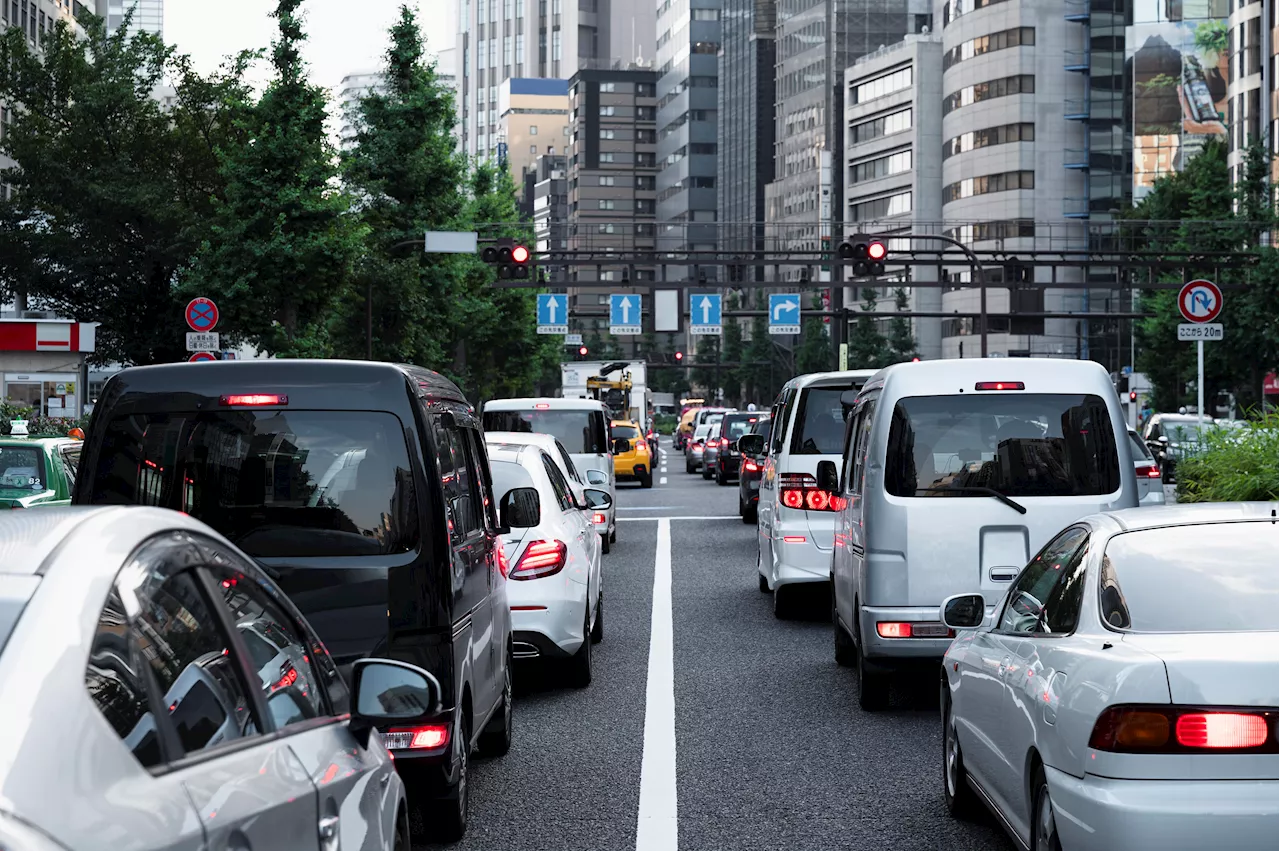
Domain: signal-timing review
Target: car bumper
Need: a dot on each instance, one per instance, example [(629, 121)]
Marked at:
[(631, 473), (560, 620), (1102, 814), (901, 652), (798, 562), (1154, 497)]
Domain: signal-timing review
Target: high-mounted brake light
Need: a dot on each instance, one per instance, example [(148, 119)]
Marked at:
[(1184, 729), (1000, 385), (254, 399), (542, 406), (542, 558)]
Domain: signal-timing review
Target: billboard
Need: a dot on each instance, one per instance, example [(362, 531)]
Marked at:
[(1176, 52)]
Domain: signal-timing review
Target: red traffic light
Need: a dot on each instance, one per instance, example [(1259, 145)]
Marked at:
[(582, 350), (877, 251), (679, 356), (520, 254), (1133, 395), (915, 360)]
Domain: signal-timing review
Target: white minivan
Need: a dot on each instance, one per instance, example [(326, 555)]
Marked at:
[(954, 473), (581, 426)]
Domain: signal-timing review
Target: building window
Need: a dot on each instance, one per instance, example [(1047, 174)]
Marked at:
[(533, 149), (606, 88), (646, 183), (519, 52), (507, 50), (607, 134), (607, 180), (706, 14), (533, 130), (985, 138), (895, 163), (608, 110), (953, 9), (605, 227), (988, 231), (881, 208), (607, 204), (606, 156), (1019, 84), (555, 45), (881, 86), (1016, 37), (1007, 181), (883, 126)]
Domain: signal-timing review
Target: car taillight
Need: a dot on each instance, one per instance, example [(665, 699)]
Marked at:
[(1000, 385), (542, 558), (253, 399), (427, 737), (1184, 729), (724, 441), (288, 676), (1151, 471), (800, 491), (913, 629), (504, 563), (598, 518), (750, 466)]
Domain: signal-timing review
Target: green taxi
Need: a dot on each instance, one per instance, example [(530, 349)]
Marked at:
[(37, 470)]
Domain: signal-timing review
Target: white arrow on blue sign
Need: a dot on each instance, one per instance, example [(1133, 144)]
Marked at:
[(553, 313), (784, 313), (704, 313), (624, 314)]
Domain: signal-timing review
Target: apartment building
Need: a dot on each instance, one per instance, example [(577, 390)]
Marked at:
[(1251, 80), (892, 164), (533, 115), (353, 87), (148, 15), (545, 201)]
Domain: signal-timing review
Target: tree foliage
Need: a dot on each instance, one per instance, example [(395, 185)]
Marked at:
[(813, 354)]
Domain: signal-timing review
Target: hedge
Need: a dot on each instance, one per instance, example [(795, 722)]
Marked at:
[(37, 424), (1233, 465)]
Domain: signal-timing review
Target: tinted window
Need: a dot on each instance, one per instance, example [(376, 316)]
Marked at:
[(1034, 444), (860, 438), (1032, 588), (625, 431), (1062, 609), (1203, 578), (117, 684), (735, 426), (568, 463), (1139, 449), (820, 422), (276, 483), (70, 463), (21, 471), (457, 477), (558, 484), (582, 432)]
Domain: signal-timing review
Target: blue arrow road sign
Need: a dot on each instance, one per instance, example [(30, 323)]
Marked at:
[(784, 313), (704, 313), (553, 313), (624, 313)]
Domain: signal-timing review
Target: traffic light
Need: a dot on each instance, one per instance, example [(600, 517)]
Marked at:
[(865, 255), (1133, 395), (582, 351), (915, 360), (679, 357), (511, 259)]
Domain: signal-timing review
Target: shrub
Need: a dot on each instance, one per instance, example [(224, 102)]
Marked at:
[(665, 423), (37, 424), (1237, 464)]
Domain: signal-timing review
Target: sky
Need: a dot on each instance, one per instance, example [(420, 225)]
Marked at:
[(343, 36)]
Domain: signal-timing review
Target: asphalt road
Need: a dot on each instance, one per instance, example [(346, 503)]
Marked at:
[(771, 750)]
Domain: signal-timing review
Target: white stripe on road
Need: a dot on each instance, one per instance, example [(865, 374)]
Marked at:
[(646, 507), (656, 825), (663, 480), (681, 517)]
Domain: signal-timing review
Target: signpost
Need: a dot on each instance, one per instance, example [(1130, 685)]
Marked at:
[(624, 314), (202, 314), (202, 356), (784, 313), (573, 339), (1200, 303), (553, 313), (704, 314), (202, 317)]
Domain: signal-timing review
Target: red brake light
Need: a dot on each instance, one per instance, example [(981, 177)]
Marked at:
[(1151, 471), (750, 466), (504, 564), (1000, 385), (427, 737), (793, 539), (254, 399), (598, 518), (542, 558), (724, 441), (288, 676), (894, 630), (793, 498), (800, 490), (542, 406), (1221, 730), (1178, 729), (816, 500)]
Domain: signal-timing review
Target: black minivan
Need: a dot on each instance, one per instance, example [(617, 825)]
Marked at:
[(363, 488)]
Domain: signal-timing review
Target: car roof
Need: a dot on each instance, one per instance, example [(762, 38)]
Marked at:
[(812, 378), (959, 375), (9, 440), (523, 438), (631, 423), (1155, 517), (552, 404), (509, 452)]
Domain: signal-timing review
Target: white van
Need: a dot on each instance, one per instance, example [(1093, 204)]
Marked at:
[(796, 523), (581, 426), (954, 473)]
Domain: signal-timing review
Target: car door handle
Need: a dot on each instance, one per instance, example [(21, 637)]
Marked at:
[(1003, 574), (329, 833), (1005, 667)]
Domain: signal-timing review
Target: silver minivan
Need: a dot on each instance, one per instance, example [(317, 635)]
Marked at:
[(954, 473)]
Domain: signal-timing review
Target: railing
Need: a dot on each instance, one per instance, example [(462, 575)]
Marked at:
[(1075, 60), (1076, 10), (1075, 158), (1076, 109), (1075, 208)]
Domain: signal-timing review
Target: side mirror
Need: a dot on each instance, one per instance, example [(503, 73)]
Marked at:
[(390, 692), (964, 611), (621, 446), (598, 500), (520, 508), (828, 477), (751, 444), (849, 398)]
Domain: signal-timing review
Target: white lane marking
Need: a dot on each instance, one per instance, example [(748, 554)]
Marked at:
[(656, 824), (659, 519), (663, 480), (646, 507)]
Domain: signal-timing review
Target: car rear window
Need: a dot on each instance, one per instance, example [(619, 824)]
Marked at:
[(1020, 444), (1139, 449), (278, 484), (735, 427), (21, 471), (819, 428), (507, 476), (628, 432), (582, 432), (1204, 578)]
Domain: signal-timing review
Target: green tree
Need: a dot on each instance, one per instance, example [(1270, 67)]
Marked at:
[(283, 242), (733, 350), (868, 348), (814, 352), (901, 342), (704, 372), (758, 373), (111, 190)]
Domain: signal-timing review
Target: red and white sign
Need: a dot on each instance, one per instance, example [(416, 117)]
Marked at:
[(46, 335), (201, 314), (1200, 301), (1270, 386), (200, 356)]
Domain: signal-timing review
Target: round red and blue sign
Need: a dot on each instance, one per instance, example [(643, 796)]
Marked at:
[(203, 356), (1200, 301), (201, 314)]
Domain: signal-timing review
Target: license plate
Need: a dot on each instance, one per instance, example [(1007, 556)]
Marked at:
[(930, 630), (754, 485), (396, 741)]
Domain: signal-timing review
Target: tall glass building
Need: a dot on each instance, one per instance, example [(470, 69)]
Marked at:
[(148, 15)]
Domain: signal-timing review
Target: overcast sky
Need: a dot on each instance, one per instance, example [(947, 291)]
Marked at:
[(343, 36)]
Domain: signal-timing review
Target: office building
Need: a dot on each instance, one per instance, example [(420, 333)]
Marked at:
[(892, 166), (148, 15), (1251, 83), (612, 182), (533, 115), (745, 127), (545, 201)]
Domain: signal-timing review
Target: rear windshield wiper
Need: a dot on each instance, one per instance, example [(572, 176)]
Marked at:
[(1021, 509)]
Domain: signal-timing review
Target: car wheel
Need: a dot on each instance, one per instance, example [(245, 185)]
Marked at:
[(580, 662), (873, 686), (962, 802), (752, 513), (1044, 833), (403, 842), (646, 481), (721, 479), (689, 468), (846, 653), (449, 821), (604, 543), (784, 603), (496, 739), (706, 473), (597, 629), (613, 535)]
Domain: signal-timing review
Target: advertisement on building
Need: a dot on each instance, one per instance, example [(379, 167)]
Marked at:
[(1176, 53)]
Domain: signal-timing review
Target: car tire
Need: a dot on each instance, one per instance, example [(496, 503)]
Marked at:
[(784, 603), (764, 584), (873, 686), (580, 662), (613, 535), (690, 468), (404, 840), (495, 741), (752, 515), (721, 479), (846, 653), (646, 480), (1044, 827), (706, 473), (605, 541), (962, 802), (597, 629), (448, 821)]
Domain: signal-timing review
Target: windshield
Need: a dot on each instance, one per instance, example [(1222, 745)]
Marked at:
[(276, 483), (21, 471), (581, 432), (625, 431), (1204, 578), (819, 426), (1020, 444)]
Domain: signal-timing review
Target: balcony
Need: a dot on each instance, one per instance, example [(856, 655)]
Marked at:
[(1077, 10), (1075, 208), (1076, 60), (1076, 158), (1076, 109)]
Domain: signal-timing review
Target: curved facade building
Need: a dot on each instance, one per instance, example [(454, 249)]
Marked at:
[(1015, 164)]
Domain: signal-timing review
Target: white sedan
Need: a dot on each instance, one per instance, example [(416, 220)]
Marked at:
[(553, 559), (1123, 693)]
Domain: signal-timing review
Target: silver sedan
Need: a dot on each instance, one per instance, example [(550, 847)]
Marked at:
[(134, 697)]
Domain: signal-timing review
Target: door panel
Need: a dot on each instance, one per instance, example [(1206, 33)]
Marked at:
[(353, 784)]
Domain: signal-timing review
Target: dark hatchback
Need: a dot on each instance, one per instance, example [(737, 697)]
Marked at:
[(728, 459), (364, 490), (750, 471)]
